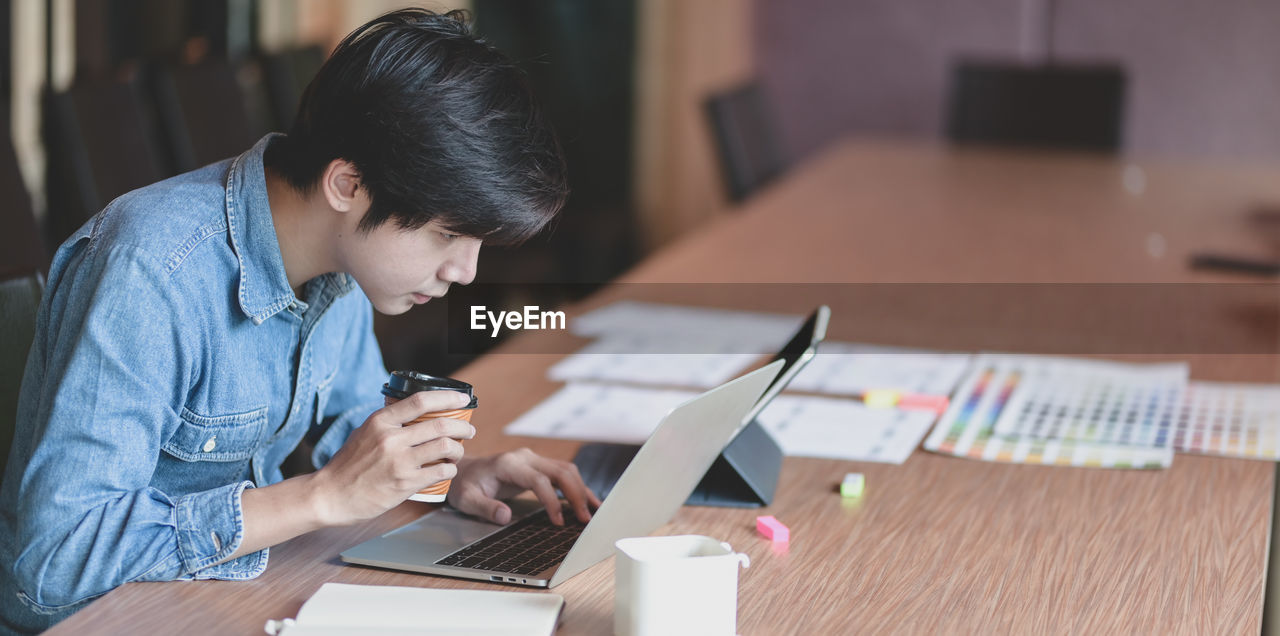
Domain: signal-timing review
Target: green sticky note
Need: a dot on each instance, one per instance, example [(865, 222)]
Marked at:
[(852, 485)]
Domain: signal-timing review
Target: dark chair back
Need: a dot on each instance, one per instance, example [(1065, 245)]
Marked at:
[(746, 139), (19, 301), (21, 243), (202, 112), (102, 142), (1055, 106), (286, 75)]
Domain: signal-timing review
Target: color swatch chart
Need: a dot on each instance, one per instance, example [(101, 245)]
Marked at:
[(968, 428), (1236, 420), (1094, 401)]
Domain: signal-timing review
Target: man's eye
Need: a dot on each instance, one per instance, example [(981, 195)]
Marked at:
[(449, 237)]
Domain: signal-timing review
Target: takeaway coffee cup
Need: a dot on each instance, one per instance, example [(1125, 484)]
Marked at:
[(405, 383), (676, 585)]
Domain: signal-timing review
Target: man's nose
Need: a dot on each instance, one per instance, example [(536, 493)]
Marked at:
[(462, 268)]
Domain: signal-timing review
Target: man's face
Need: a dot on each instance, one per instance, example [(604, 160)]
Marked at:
[(398, 269)]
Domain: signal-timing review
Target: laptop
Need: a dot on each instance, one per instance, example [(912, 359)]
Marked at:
[(530, 551)]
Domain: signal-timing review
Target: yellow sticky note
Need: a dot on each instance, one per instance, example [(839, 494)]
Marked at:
[(880, 398)]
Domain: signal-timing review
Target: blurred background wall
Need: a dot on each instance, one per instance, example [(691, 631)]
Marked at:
[(671, 112), (1203, 74)]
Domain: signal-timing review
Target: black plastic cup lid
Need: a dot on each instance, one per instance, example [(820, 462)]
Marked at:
[(405, 383)]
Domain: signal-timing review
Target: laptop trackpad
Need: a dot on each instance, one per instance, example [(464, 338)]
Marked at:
[(445, 530)]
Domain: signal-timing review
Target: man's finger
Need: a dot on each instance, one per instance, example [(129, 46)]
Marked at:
[(438, 449), (499, 513), (472, 500), (435, 473), (412, 407), (427, 430), (541, 486), (566, 477)]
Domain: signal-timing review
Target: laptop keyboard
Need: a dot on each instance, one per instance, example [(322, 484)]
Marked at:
[(528, 546)]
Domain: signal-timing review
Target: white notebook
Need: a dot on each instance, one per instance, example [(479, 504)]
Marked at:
[(338, 608)]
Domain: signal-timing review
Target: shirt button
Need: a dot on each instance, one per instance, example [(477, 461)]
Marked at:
[(211, 444)]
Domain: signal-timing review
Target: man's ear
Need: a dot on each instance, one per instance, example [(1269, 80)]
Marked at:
[(341, 187)]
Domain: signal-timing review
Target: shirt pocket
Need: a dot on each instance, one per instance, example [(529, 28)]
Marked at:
[(220, 438)]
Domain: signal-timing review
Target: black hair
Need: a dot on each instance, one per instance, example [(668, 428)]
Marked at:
[(440, 124)]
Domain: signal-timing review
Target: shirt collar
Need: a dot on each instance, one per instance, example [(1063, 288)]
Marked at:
[(264, 287)]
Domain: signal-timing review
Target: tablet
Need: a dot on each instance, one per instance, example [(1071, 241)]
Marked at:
[(797, 353), (746, 473)]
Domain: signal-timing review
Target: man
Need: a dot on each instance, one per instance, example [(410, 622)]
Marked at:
[(195, 331)]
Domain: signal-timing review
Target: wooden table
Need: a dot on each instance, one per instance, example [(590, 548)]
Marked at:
[(938, 543)]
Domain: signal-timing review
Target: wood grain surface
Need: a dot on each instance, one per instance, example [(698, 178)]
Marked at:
[(938, 543)]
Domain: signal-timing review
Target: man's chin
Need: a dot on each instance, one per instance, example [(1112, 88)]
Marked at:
[(393, 309)]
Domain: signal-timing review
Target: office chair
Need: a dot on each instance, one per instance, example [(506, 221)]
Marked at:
[(746, 139), (286, 75), (19, 301), (202, 113), (21, 246), (1048, 106), (102, 142)]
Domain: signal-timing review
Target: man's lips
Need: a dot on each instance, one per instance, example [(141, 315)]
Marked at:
[(420, 299)]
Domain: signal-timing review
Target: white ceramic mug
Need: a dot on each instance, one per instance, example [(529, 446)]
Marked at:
[(676, 585)]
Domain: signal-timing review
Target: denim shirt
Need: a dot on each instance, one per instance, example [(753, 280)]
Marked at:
[(172, 368)]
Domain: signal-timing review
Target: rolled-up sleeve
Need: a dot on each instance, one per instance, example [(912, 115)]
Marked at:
[(113, 357), (210, 527)]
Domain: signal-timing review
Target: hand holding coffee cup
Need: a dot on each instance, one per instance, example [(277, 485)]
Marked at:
[(401, 385)]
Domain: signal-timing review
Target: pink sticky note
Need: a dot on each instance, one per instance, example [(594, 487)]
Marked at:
[(773, 529), (936, 403)]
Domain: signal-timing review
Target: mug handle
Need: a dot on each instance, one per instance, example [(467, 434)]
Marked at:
[(743, 559)]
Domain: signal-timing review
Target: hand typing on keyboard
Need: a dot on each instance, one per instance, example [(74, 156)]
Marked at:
[(483, 481)]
